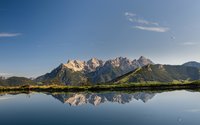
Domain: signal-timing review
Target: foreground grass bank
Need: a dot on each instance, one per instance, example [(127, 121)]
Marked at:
[(115, 87)]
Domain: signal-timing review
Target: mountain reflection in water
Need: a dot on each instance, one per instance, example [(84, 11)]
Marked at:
[(101, 108), (76, 99)]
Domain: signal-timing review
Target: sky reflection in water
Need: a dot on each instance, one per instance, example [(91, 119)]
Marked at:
[(141, 108)]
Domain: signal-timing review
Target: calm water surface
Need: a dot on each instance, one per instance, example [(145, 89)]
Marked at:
[(107, 108)]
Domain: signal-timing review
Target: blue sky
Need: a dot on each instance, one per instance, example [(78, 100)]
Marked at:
[(37, 35)]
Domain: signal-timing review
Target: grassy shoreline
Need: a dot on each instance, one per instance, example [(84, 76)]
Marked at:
[(116, 87)]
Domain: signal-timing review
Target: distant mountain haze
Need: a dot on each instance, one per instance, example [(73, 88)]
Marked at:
[(192, 64)]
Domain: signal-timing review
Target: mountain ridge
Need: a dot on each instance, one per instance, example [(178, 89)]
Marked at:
[(160, 73), (192, 64)]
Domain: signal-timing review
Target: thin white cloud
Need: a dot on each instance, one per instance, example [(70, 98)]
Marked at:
[(189, 43), (142, 21), (132, 17), (9, 34), (154, 29), (129, 14), (144, 24), (5, 74)]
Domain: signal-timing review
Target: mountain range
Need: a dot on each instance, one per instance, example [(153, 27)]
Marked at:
[(118, 70), (93, 71)]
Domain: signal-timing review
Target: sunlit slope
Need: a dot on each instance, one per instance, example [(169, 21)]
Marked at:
[(160, 73)]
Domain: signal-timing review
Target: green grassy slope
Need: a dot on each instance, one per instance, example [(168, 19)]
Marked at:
[(160, 73)]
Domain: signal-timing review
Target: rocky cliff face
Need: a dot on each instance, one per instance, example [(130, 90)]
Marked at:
[(75, 65), (116, 67), (89, 66), (93, 64)]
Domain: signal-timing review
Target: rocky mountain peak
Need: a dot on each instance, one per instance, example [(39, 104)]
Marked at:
[(75, 65), (119, 61), (144, 61), (89, 66), (142, 57), (93, 63), (93, 60)]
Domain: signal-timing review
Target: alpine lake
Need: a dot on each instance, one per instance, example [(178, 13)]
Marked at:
[(177, 107)]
